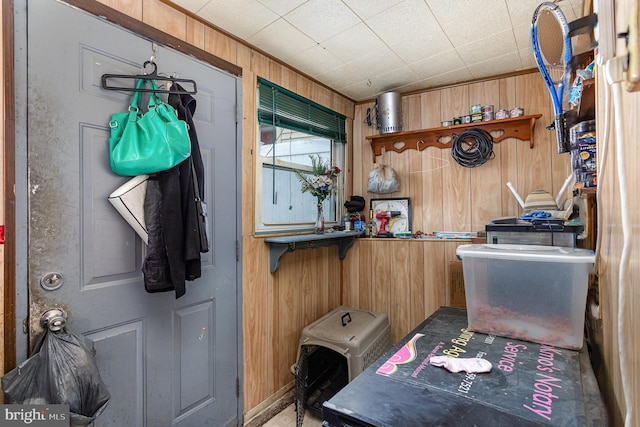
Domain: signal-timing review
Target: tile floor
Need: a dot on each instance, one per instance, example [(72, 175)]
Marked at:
[(287, 418)]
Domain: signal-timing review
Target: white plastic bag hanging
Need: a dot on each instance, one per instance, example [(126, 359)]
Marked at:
[(383, 179)]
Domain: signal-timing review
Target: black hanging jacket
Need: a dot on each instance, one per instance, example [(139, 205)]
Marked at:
[(173, 253)]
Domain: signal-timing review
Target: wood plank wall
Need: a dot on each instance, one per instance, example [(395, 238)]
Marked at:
[(619, 290), (446, 196)]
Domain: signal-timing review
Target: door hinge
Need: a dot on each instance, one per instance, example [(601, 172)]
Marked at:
[(237, 386), (237, 251)]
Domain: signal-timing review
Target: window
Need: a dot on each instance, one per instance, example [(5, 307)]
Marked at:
[(290, 130)]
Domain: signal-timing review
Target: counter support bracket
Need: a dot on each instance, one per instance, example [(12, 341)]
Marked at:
[(278, 246)]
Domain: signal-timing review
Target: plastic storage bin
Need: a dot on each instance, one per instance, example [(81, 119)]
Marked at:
[(529, 292)]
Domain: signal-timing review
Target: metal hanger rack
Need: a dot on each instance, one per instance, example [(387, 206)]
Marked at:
[(171, 88)]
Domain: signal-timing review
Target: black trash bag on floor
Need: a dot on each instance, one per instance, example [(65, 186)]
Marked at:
[(61, 370)]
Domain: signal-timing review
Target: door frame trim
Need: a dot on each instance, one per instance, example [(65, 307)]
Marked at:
[(9, 129), (106, 13)]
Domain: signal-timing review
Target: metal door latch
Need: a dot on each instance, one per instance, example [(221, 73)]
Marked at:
[(51, 281)]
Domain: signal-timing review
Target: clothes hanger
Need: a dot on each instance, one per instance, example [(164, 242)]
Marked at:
[(171, 88)]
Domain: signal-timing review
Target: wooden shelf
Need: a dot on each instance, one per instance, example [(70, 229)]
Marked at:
[(518, 127), (278, 246)]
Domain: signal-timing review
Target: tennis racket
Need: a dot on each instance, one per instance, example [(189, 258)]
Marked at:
[(551, 46)]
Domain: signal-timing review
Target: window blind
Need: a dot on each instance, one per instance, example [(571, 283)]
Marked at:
[(281, 107)]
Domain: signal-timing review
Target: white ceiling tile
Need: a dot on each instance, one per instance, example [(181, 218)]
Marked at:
[(422, 45), (368, 8), (362, 48), (321, 19), (495, 66), (314, 61), (486, 49), (409, 23), (437, 64), (477, 19), (282, 7), (281, 39), (527, 59), (396, 78), (363, 90), (377, 63), (192, 5), (243, 18), (523, 36), (452, 77), (340, 77), (356, 42), (521, 11)]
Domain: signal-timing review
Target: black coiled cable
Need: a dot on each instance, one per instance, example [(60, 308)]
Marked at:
[(476, 153)]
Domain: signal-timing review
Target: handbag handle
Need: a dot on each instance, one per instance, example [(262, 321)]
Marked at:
[(153, 98)]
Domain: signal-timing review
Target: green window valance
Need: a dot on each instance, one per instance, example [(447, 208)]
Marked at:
[(281, 107)]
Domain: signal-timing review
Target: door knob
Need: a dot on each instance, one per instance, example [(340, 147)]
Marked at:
[(54, 319)]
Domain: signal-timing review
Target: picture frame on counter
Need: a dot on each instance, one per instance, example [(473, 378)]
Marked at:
[(391, 215)]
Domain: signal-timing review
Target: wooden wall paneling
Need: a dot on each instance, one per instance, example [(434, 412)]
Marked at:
[(367, 273), (220, 45), (534, 165), (401, 287), (255, 322), (282, 76), (165, 18), (416, 298), (322, 95), (409, 165), (260, 65), (486, 194), (304, 87), (309, 282), (432, 167), (132, 8), (382, 277), (350, 295), (248, 164), (195, 35), (287, 318), (450, 248), (434, 276), (455, 178), (243, 58), (362, 161), (509, 152), (357, 149), (413, 186)]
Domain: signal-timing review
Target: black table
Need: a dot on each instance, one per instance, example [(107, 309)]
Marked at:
[(529, 385)]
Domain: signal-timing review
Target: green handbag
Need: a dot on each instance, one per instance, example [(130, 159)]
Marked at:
[(147, 143)]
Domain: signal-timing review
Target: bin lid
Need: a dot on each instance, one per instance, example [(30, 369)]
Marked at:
[(513, 224), (526, 253)]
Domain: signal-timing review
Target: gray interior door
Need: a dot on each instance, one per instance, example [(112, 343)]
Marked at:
[(166, 361)]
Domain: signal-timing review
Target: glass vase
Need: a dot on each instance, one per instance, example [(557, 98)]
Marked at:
[(319, 227)]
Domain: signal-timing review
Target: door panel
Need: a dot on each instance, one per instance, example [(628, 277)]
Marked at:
[(166, 361)]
